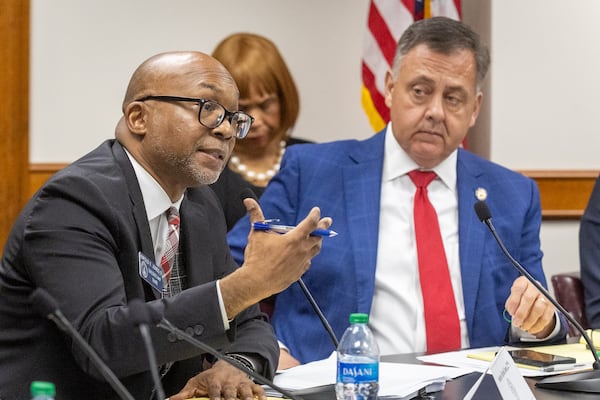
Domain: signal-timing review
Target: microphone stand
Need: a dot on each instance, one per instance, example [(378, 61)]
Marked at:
[(47, 306), (169, 327), (249, 193), (586, 381), (319, 313), (141, 317)]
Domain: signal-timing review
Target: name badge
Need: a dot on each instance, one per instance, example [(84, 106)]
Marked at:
[(150, 272)]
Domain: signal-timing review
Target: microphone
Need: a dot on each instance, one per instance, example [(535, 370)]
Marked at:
[(45, 305), (247, 192), (169, 327), (141, 317), (587, 381)]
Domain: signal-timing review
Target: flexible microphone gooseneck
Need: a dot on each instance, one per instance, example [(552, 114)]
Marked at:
[(319, 313), (140, 316), (587, 381), (155, 317), (169, 327), (249, 193), (45, 305)]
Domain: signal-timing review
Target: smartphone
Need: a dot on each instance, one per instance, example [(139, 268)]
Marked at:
[(537, 359)]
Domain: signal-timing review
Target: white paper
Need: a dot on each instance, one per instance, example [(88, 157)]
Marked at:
[(396, 380)]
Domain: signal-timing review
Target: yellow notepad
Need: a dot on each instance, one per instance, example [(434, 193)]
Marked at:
[(594, 336)]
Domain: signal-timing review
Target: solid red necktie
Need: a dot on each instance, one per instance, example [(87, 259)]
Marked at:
[(172, 243), (441, 318)]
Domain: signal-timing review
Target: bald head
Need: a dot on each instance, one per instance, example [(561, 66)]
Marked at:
[(174, 72), (164, 134)]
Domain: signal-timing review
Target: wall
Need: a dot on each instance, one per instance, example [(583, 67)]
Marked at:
[(83, 54), (544, 98), (545, 84), (538, 108)]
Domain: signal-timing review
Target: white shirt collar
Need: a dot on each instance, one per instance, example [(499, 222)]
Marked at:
[(156, 200), (397, 163)]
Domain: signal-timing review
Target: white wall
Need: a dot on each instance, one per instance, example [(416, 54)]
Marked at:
[(546, 84), (541, 96), (544, 99), (84, 52)]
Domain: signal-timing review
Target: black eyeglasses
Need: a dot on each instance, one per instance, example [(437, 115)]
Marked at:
[(212, 114)]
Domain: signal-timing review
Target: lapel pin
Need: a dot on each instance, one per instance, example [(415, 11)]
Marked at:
[(481, 194)]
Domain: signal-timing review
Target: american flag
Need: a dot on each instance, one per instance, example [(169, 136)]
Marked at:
[(386, 22)]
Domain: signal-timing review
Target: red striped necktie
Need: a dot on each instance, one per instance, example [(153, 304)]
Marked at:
[(441, 318), (172, 243)]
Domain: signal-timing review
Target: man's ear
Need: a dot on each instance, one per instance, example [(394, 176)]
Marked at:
[(136, 117), (389, 88), (476, 108)]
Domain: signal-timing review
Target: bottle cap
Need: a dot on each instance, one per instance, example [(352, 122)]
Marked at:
[(359, 318), (43, 388)]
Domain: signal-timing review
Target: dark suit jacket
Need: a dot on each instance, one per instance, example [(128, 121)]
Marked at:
[(589, 256), (79, 238), (344, 179)]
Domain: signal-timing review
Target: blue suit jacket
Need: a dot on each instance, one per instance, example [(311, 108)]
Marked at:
[(344, 179)]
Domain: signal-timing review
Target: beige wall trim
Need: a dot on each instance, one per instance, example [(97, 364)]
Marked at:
[(39, 173), (564, 194)]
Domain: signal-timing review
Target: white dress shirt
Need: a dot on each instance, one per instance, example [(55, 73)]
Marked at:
[(397, 312), (397, 317), (156, 202)]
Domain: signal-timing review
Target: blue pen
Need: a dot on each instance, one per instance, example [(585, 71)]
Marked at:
[(267, 225)]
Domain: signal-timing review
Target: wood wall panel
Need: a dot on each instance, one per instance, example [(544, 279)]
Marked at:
[(39, 173), (14, 111), (564, 194)]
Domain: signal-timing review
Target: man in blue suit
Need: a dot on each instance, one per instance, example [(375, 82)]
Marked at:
[(433, 92)]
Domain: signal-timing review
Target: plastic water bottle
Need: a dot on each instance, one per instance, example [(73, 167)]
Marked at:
[(42, 390), (357, 362)]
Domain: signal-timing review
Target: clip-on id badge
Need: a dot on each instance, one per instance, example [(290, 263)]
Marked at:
[(150, 272)]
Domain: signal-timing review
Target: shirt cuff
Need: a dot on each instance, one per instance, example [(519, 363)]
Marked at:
[(283, 346), (222, 307), (524, 336)]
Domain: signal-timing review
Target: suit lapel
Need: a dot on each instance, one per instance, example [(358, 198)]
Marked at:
[(138, 210), (471, 231), (194, 211), (362, 188)]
